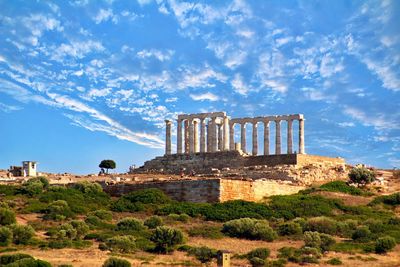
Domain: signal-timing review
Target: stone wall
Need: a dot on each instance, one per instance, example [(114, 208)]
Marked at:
[(209, 190)]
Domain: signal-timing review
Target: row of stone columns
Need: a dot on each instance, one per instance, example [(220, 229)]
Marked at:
[(220, 136)]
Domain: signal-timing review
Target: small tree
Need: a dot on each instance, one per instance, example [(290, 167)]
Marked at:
[(361, 176), (166, 238), (384, 244), (116, 262), (107, 164)]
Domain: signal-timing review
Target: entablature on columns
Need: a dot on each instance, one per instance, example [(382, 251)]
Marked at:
[(201, 115), (266, 119)]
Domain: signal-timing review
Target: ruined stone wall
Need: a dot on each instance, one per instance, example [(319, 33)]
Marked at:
[(207, 190)]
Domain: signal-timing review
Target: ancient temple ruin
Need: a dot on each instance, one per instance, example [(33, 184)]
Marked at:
[(206, 141), (217, 133)]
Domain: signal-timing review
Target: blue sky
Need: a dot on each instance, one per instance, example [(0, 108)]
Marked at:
[(82, 81)]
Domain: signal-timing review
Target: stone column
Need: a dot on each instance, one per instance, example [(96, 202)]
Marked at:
[(255, 139), (301, 137), (213, 135), (168, 137), (226, 134), (209, 136), (195, 136), (290, 136), (278, 137), (266, 138), (186, 133), (243, 136), (220, 137), (231, 136), (202, 136), (191, 139), (179, 138)]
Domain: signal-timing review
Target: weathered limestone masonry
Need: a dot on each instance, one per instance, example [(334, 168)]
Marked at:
[(209, 190)]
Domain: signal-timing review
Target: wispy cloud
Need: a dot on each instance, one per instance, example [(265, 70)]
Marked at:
[(104, 15), (9, 108), (206, 96)]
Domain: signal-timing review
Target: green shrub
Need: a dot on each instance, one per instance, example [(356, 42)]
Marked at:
[(87, 187), (179, 217), (7, 216), (58, 210), (257, 262), (250, 229), (5, 236), (340, 186), (346, 228), (393, 200), (261, 253), (153, 222), (130, 224), (301, 256), (334, 261), (135, 200), (81, 228), (321, 224), (102, 214), (22, 234), (10, 258), (123, 204), (122, 244), (394, 221), (34, 186), (361, 234), (375, 226), (323, 242), (96, 223), (203, 254), (116, 262), (64, 231), (166, 238), (289, 228), (361, 176), (9, 190), (206, 231), (27, 262), (384, 244)]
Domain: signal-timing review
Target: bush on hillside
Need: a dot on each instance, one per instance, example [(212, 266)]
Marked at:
[(153, 221), (384, 244), (250, 229), (393, 200), (323, 242), (289, 228), (5, 236), (87, 187), (130, 224), (102, 214), (321, 224), (261, 253), (179, 217), (81, 228), (116, 262), (35, 186), (166, 238), (121, 244), (147, 196), (343, 187), (375, 225), (361, 176), (10, 258), (22, 234), (334, 261), (206, 231), (301, 256), (203, 254), (57, 210), (361, 234), (346, 228), (7, 216)]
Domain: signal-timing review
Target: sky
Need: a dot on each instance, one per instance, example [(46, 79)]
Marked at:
[(82, 81)]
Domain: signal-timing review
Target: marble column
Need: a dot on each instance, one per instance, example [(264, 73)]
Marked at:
[(231, 136), (195, 136), (243, 136), (255, 139), (168, 137), (209, 136), (213, 135), (179, 138), (202, 135), (266, 138), (186, 133), (278, 137), (191, 139), (290, 136), (301, 137), (226, 134), (220, 137)]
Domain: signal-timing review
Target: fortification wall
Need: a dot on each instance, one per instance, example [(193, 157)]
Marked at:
[(209, 190)]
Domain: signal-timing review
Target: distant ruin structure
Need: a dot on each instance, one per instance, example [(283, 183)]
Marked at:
[(28, 169)]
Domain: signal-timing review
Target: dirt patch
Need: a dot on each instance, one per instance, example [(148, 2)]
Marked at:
[(347, 199)]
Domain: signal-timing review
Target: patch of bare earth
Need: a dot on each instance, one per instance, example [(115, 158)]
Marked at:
[(347, 199)]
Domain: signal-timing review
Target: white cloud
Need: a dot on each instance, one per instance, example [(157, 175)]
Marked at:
[(171, 99), (379, 121), (346, 124), (76, 49), (239, 86), (385, 73), (160, 55), (104, 15), (283, 40), (206, 96), (9, 108), (144, 2), (330, 66), (99, 92), (38, 23)]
